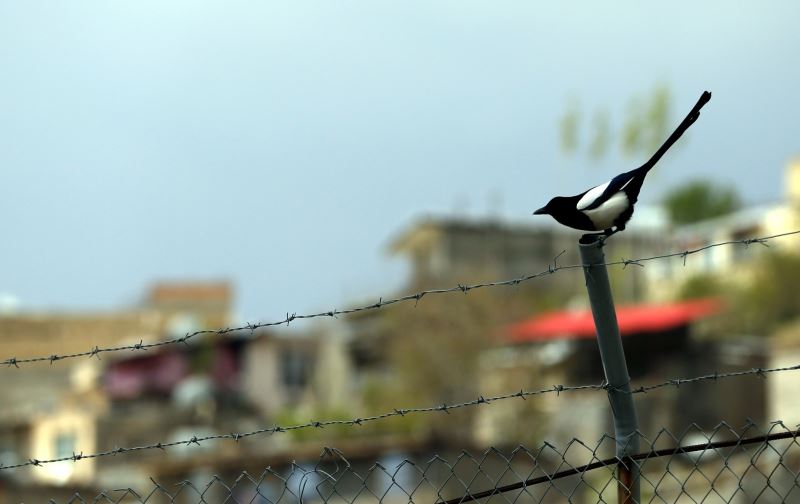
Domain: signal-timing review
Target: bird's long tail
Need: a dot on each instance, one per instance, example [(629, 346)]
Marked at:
[(682, 127)]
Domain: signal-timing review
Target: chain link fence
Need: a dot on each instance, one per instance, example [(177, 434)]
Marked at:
[(724, 465)]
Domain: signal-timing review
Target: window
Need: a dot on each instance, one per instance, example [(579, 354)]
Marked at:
[(295, 368), (64, 445)]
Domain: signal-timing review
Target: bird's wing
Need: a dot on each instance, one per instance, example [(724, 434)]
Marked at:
[(596, 196)]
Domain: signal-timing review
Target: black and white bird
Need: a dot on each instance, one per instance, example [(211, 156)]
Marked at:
[(608, 207)]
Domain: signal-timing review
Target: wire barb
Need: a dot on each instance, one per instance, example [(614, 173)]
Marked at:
[(629, 262)]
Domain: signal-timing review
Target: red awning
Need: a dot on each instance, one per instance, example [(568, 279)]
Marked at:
[(646, 318)]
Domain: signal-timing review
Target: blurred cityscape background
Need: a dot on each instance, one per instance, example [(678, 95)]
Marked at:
[(173, 168)]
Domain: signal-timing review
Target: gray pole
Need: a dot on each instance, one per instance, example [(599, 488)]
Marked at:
[(614, 365)]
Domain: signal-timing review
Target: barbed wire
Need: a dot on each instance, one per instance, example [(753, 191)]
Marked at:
[(677, 382), (401, 412), (416, 297)]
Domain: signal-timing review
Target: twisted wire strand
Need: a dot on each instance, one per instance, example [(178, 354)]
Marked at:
[(441, 408), (416, 297)]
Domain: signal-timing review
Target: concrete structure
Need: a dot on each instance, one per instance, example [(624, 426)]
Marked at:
[(730, 261), (51, 415), (443, 251), (36, 334), (169, 308), (52, 410), (661, 341), (304, 373), (782, 388), (190, 306), (66, 431), (446, 251)]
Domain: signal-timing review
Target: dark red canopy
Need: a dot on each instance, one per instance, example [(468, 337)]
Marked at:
[(632, 319)]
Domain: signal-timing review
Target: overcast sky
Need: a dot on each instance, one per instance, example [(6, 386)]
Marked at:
[(282, 144)]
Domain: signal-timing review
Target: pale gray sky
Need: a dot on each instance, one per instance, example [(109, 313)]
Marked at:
[(281, 144)]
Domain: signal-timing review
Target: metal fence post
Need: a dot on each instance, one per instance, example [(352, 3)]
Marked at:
[(614, 365)]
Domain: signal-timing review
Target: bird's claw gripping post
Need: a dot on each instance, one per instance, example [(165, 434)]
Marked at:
[(599, 238)]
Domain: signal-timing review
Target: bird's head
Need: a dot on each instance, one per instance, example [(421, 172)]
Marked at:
[(555, 205)]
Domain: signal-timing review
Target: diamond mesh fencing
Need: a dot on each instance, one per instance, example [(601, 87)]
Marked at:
[(723, 465)]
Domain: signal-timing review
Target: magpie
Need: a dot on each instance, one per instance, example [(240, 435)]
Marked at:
[(608, 207)]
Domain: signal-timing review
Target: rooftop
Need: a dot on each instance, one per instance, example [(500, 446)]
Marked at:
[(170, 292), (647, 219), (632, 319)]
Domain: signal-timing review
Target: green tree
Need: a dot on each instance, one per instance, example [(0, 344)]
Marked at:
[(568, 127), (644, 128), (602, 134), (658, 118), (768, 300), (758, 299), (699, 200), (630, 138), (435, 352), (701, 286)]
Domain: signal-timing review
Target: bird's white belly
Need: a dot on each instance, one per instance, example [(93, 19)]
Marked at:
[(604, 216)]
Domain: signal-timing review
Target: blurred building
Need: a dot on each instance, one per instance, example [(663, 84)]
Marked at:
[(56, 409), (189, 306), (237, 382), (49, 415), (168, 309), (213, 384), (34, 334), (784, 351), (662, 341), (444, 252), (730, 261), (305, 373)]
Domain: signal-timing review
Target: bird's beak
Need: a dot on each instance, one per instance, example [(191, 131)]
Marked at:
[(541, 211)]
